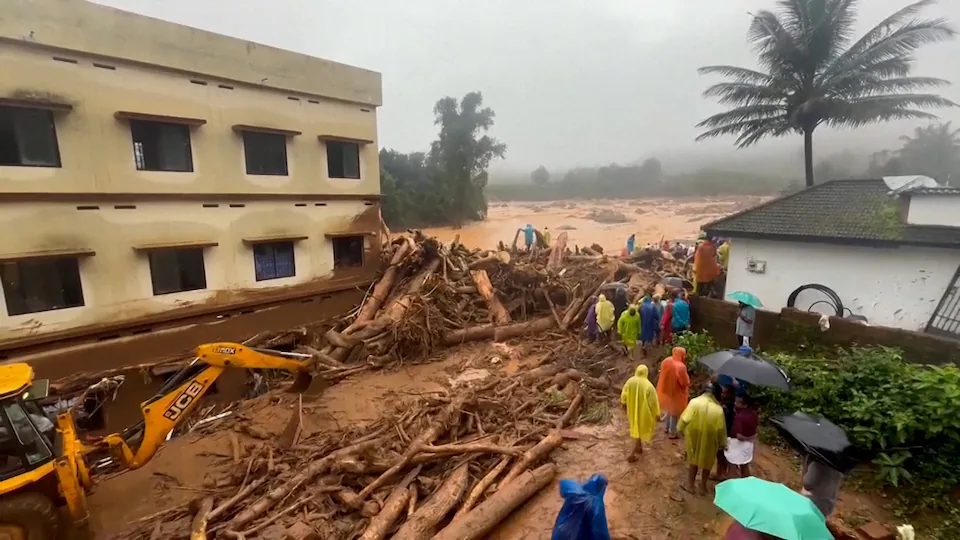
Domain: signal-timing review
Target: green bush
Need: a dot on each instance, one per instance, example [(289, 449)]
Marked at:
[(697, 344), (904, 417)]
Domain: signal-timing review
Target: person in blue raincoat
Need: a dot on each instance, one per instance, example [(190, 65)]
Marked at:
[(528, 236), (631, 244), (649, 323), (583, 515), (681, 314)]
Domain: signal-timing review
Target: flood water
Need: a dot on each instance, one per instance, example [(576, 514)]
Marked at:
[(652, 220)]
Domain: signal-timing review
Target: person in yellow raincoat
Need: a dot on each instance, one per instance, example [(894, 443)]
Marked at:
[(640, 399), (605, 315), (704, 431), (628, 328)]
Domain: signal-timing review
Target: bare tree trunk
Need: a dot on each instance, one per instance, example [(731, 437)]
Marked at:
[(484, 518), (808, 156)]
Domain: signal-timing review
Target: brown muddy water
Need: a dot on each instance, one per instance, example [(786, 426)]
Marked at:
[(650, 219)]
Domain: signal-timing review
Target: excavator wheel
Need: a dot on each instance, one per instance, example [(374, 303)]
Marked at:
[(28, 516)]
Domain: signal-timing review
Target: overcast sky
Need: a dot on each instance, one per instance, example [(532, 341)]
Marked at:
[(572, 82)]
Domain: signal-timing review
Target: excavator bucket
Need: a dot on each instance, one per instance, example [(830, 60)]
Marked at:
[(301, 383)]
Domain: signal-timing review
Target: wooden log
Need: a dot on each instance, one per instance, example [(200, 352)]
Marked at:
[(412, 502), (482, 486), (572, 410), (340, 340), (469, 448), (422, 524), (320, 357), (553, 308), (498, 333), (392, 313), (198, 529), (538, 452), (242, 494), (481, 520), (548, 370), (395, 504), (498, 313), (260, 507), (428, 435), (557, 252), (384, 285)]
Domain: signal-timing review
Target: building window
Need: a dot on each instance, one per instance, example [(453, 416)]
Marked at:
[(265, 153), (41, 285), (161, 146), (348, 252), (274, 260), (177, 270), (28, 138), (343, 159)]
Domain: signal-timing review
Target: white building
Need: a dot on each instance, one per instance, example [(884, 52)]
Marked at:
[(890, 252)]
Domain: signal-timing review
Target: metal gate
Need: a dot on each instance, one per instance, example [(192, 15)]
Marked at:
[(946, 319)]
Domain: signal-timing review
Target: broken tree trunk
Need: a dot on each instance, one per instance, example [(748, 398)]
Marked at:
[(395, 505), (426, 437), (557, 252), (484, 518), (493, 257), (280, 492), (498, 333), (498, 313), (384, 285), (469, 448), (392, 313), (572, 410), (538, 452), (482, 486), (422, 524), (198, 530)]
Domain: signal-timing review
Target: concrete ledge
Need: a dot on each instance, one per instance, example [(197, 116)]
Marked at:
[(791, 328)]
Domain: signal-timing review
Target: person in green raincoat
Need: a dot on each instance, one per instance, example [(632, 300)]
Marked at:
[(643, 408), (628, 327)]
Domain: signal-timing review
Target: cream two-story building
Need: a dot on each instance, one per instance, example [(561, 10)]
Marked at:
[(151, 172)]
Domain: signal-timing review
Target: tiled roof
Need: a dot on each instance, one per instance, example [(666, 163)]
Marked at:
[(840, 211)]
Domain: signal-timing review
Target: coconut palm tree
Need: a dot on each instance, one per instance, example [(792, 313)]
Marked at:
[(813, 73)]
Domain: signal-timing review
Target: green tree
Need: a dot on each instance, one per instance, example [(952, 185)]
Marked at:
[(462, 154), (540, 176), (811, 74), (933, 151)]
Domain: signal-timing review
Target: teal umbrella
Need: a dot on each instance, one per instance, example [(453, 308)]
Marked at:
[(771, 508), (746, 298)]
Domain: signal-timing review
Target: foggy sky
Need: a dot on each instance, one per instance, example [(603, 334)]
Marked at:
[(572, 82)]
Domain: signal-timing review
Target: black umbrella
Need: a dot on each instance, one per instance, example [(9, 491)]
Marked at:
[(746, 366), (820, 438)]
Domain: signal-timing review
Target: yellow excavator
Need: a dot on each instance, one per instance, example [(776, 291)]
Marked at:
[(43, 463)]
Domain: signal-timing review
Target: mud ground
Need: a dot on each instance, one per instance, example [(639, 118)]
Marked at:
[(643, 500)]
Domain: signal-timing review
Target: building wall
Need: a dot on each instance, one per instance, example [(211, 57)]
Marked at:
[(116, 279), (92, 62), (96, 149), (900, 287), (942, 210), (105, 32)]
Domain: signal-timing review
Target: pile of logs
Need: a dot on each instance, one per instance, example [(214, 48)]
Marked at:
[(432, 295), (445, 466)]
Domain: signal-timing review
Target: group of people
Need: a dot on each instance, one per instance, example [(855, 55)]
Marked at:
[(654, 321), (530, 236), (711, 257), (719, 428)]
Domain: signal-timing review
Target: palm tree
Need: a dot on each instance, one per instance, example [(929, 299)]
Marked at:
[(812, 74)]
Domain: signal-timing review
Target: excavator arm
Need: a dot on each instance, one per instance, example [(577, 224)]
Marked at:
[(180, 396)]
